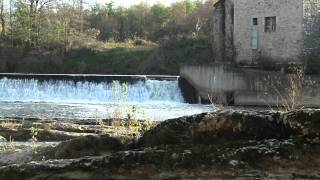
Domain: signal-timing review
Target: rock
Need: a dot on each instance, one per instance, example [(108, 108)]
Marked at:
[(233, 163), (26, 124), (14, 157), (233, 125), (150, 163), (316, 140), (237, 125), (306, 121), (84, 146), (174, 156), (225, 144), (43, 135), (174, 131), (2, 139)]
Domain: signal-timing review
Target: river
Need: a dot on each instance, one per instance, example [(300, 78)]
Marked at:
[(93, 96)]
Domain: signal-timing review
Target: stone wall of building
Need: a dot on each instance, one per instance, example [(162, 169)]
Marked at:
[(229, 29), (311, 26), (283, 45), (223, 17), (218, 32)]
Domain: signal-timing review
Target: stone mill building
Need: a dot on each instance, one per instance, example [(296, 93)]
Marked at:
[(252, 41), (250, 31)]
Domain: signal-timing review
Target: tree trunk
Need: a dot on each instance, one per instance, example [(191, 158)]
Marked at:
[(3, 23), (81, 16)]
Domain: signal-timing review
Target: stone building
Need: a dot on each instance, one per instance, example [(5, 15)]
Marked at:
[(251, 31)]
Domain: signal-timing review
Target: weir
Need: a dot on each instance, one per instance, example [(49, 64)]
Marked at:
[(89, 88), (243, 86), (88, 77)]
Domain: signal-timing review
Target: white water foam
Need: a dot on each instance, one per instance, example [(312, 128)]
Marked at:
[(33, 90)]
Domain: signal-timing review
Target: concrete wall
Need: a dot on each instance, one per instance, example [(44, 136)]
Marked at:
[(283, 45), (247, 86)]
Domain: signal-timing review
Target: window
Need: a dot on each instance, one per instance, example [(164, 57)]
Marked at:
[(255, 21), (270, 24), (232, 15), (254, 40)]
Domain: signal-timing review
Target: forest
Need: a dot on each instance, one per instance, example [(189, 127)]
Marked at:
[(51, 36)]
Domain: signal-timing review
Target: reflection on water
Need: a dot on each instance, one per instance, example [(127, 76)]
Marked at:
[(155, 111)]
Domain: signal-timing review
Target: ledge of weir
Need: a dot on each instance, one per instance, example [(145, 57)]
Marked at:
[(87, 77)]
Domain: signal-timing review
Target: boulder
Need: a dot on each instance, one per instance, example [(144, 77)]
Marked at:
[(233, 125), (2, 139), (84, 146)]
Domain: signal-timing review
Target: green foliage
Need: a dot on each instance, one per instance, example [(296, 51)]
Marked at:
[(34, 131), (21, 27), (10, 147), (184, 50), (152, 23), (115, 59), (126, 116), (125, 91)]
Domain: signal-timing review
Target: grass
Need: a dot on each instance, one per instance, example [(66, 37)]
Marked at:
[(8, 124), (34, 134), (11, 147), (127, 115), (113, 59)]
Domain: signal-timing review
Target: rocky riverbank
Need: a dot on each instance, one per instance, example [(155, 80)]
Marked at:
[(224, 144)]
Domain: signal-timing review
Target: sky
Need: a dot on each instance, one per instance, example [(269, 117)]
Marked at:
[(117, 3), (127, 3)]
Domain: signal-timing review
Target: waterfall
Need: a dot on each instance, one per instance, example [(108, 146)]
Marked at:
[(33, 90)]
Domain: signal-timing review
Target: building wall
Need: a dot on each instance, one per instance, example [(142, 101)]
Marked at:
[(218, 32), (229, 28), (286, 44), (311, 27), (223, 17)]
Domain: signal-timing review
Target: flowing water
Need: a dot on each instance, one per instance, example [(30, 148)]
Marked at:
[(157, 99)]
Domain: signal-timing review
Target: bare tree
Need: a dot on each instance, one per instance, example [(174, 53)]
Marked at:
[(2, 19), (286, 91), (81, 15), (35, 8)]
